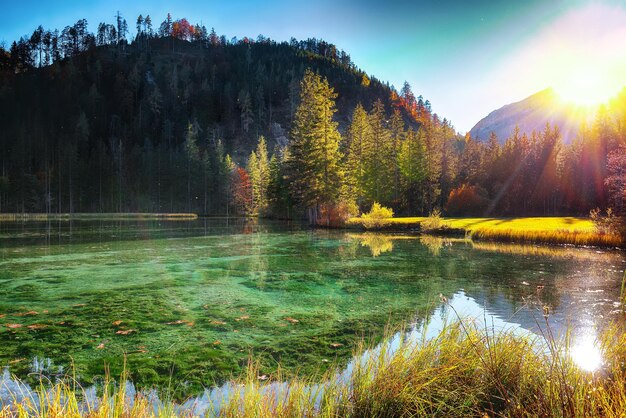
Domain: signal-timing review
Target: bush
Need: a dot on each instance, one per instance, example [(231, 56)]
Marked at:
[(336, 215), (608, 224), (378, 217), (433, 222)]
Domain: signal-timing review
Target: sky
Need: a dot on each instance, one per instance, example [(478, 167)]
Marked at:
[(468, 57)]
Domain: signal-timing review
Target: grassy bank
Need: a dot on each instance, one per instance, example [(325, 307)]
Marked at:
[(95, 216), (550, 230), (464, 371)]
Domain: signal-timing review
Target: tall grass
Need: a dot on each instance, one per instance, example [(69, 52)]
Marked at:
[(466, 370), (589, 238), (548, 230)]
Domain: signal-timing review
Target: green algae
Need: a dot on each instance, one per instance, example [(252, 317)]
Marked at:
[(185, 305)]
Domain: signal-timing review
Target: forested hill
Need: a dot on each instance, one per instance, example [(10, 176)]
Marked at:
[(89, 119), (180, 119)]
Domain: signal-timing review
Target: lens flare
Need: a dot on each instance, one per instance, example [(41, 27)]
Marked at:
[(586, 86)]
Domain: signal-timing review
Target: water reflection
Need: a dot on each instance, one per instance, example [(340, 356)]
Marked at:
[(585, 351)]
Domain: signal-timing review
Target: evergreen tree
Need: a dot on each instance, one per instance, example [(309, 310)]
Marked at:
[(359, 143), (379, 159), (315, 171), (412, 166)]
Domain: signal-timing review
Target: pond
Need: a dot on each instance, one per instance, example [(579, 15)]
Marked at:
[(186, 304)]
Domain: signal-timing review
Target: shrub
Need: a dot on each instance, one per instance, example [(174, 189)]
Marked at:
[(433, 222), (336, 215), (378, 217), (608, 224)]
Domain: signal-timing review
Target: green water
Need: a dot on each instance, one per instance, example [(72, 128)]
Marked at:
[(187, 303)]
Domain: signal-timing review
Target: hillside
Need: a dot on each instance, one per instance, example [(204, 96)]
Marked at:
[(532, 114), (87, 132)]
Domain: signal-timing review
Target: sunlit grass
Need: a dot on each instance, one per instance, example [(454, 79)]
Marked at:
[(553, 230), (466, 370)]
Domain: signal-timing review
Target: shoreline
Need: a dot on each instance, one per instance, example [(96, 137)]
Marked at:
[(574, 231), (95, 216)]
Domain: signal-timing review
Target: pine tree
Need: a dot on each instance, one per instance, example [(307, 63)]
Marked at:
[(379, 159), (314, 163), (412, 166), (359, 143)]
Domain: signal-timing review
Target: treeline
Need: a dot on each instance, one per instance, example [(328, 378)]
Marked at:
[(335, 176), (181, 119), (97, 122), (46, 46)]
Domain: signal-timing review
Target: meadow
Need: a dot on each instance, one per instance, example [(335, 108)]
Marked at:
[(547, 230)]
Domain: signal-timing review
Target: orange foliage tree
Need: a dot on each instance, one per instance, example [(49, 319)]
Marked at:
[(467, 200), (241, 196)]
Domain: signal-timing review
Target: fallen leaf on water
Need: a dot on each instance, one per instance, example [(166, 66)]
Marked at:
[(242, 318), (217, 342), (283, 325), (335, 345), (13, 326), (235, 330), (45, 311), (100, 346), (29, 313), (2, 316), (125, 331), (218, 322), (292, 320), (37, 326), (78, 305), (117, 323)]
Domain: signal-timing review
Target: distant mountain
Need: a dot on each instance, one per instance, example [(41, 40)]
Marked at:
[(531, 114)]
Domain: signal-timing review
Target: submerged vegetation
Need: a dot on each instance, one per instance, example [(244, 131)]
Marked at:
[(465, 370)]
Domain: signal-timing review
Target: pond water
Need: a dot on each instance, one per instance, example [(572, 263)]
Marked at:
[(187, 303)]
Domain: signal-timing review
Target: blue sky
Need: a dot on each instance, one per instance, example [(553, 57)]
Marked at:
[(466, 56)]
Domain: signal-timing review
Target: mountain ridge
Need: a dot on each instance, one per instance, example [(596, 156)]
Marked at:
[(532, 114)]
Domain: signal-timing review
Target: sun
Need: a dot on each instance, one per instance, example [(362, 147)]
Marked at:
[(586, 86)]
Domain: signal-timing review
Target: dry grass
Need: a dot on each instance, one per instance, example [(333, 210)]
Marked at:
[(464, 371), (551, 230)]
